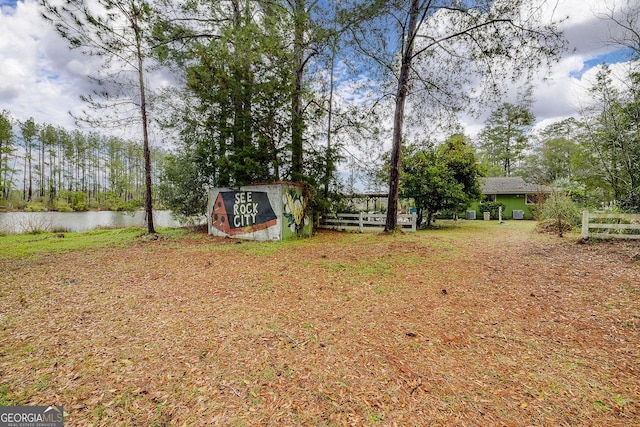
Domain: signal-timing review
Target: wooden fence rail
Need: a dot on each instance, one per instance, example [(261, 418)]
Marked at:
[(363, 221), (617, 226)]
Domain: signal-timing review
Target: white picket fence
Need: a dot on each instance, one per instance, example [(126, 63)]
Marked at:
[(615, 230), (363, 221)]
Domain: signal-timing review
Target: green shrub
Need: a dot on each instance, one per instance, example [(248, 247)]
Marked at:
[(536, 212), (492, 207), (34, 207), (62, 205), (343, 206), (631, 201), (560, 208), (78, 201)]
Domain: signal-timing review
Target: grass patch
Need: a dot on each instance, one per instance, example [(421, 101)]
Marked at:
[(5, 398), (375, 267), (19, 246), (334, 266), (260, 249)]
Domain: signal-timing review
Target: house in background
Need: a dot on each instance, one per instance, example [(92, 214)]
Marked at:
[(518, 196)]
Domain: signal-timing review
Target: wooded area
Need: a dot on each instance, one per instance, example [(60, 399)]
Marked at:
[(63, 170), (254, 99)]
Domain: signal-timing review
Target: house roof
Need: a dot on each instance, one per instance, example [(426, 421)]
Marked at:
[(511, 185)]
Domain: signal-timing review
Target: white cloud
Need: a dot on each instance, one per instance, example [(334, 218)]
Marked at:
[(33, 82), (563, 91), (41, 77)]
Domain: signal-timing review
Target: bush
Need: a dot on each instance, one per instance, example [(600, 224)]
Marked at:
[(78, 201), (61, 205), (36, 224), (343, 206), (492, 207), (552, 226), (34, 207), (562, 210), (631, 201)]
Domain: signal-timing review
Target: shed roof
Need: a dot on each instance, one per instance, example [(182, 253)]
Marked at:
[(511, 185)]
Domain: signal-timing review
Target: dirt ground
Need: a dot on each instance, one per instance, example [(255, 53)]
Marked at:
[(471, 324)]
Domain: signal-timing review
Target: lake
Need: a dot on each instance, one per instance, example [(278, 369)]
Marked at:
[(23, 222)]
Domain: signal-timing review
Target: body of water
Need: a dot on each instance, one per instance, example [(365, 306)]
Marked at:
[(24, 222)]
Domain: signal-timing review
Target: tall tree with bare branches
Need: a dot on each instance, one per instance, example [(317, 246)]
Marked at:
[(443, 50), (625, 15), (117, 32)]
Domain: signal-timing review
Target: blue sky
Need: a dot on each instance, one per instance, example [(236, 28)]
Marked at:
[(614, 57)]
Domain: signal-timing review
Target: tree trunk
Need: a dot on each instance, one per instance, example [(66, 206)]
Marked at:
[(42, 168), (148, 202), (30, 189), (328, 160), (398, 120), (297, 120)]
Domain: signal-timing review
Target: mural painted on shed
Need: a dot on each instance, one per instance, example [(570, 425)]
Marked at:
[(260, 212), (239, 212)]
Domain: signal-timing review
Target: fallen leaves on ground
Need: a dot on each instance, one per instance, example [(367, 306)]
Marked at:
[(468, 324)]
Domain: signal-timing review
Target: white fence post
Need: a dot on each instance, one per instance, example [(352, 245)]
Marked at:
[(625, 226), (610, 226), (585, 224), (364, 221)]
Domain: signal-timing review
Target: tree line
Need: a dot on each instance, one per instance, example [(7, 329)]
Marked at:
[(254, 94), (595, 157), (48, 167), (256, 99)]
